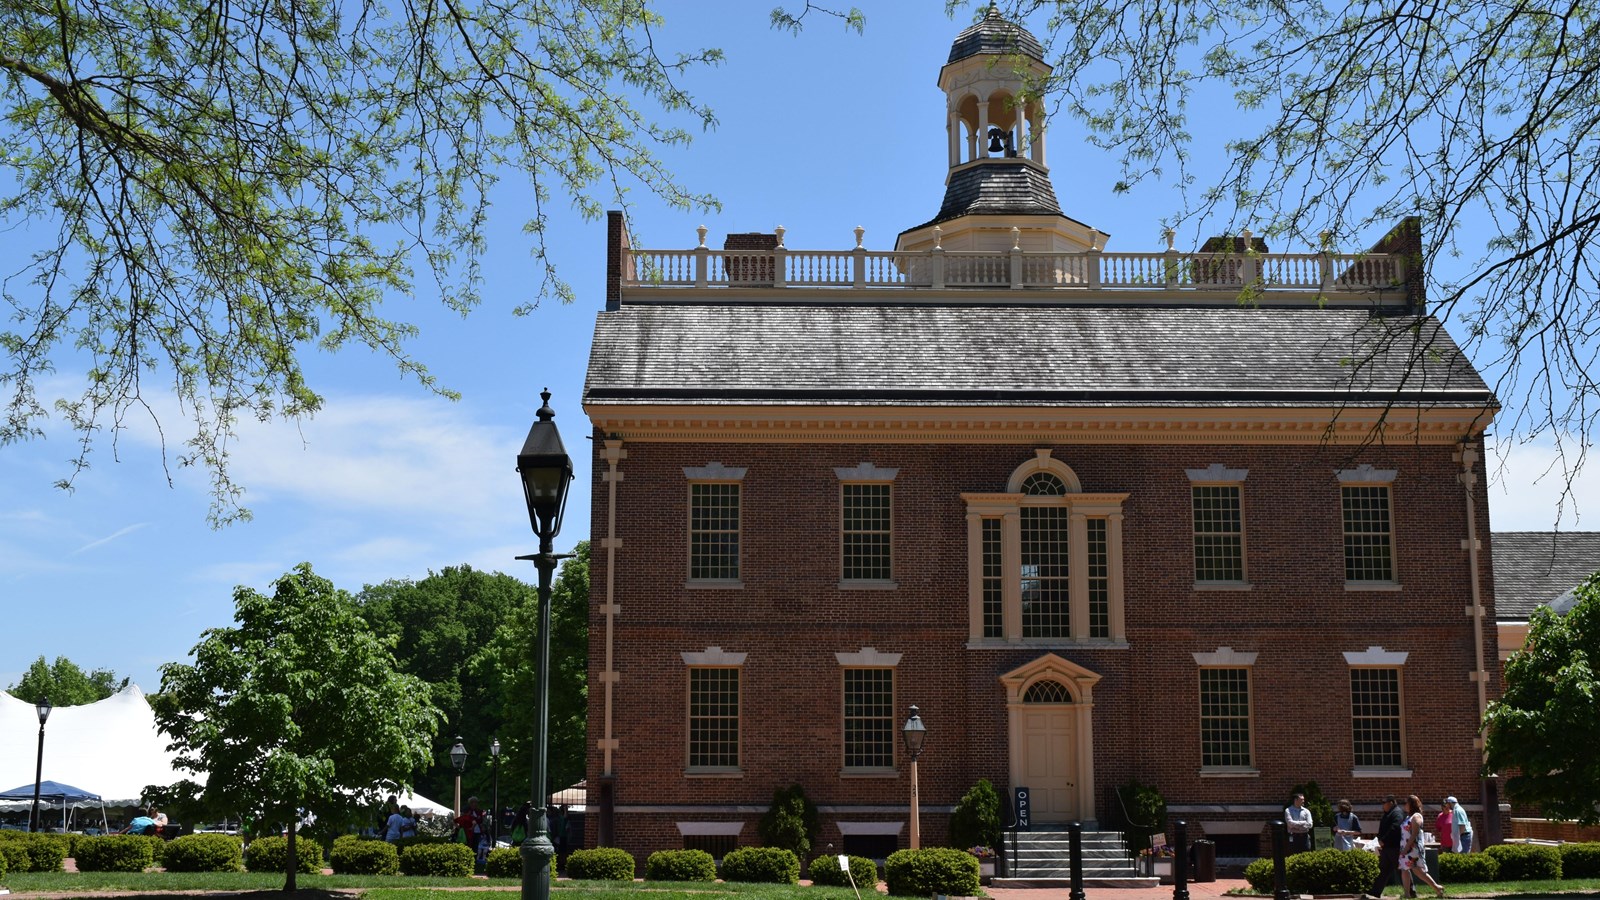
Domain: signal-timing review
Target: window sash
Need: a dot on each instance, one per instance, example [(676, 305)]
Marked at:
[(714, 531), (1368, 533), (713, 718), (1218, 518), (866, 530), (869, 726), (1046, 584), (1375, 717), (1225, 718)]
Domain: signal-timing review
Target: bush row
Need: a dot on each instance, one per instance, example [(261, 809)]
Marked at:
[(1344, 872), (25, 852)]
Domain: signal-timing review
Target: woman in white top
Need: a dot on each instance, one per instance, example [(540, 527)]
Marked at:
[(1412, 863)]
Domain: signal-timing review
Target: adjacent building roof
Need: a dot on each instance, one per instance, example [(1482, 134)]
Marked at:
[(1005, 355), (1533, 568), (995, 33)]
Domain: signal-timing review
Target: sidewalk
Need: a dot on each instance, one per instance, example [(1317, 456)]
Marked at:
[(1208, 890)]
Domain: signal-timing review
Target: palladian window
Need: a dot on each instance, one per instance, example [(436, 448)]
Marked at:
[(1044, 559)]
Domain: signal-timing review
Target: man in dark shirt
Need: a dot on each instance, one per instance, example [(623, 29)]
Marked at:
[(1388, 846)]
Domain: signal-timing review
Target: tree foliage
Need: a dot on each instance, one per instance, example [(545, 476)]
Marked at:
[(224, 187), (65, 684), (1482, 119), (1543, 730), (298, 707)]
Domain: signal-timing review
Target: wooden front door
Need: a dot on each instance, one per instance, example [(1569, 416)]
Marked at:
[(1049, 760)]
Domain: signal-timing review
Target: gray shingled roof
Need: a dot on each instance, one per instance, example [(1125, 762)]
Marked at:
[(1536, 567), (976, 354), (997, 188), (995, 33)]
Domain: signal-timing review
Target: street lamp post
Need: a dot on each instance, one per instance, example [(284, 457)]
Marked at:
[(494, 819), (458, 758), (43, 709), (546, 471), (914, 733)]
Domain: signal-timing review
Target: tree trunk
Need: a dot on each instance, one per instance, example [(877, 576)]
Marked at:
[(294, 864)]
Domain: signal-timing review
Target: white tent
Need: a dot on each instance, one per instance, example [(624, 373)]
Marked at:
[(111, 748)]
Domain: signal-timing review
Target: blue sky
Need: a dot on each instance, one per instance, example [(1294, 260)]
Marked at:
[(818, 133)]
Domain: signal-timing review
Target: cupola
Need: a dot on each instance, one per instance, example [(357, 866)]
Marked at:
[(997, 178)]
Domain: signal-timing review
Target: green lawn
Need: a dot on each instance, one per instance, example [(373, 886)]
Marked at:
[(399, 887)]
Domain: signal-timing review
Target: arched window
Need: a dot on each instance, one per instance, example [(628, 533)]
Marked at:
[(1047, 691), (1045, 559)]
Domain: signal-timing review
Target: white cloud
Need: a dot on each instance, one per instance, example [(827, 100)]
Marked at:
[(1529, 489), (125, 530)]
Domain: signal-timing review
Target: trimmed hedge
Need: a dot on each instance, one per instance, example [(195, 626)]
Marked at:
[(935, 870), (506, 862), (680, 865), (1579, 860), (444, 860), (600, 864), (1259, 875), (114, 853), (271, 854), (353, 856), (27, 852), (1526, 862), (1330, 872), (761, 865), (204, 853), (1468, 867), (825, 870)]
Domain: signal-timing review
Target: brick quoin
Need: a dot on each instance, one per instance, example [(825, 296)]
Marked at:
[(791, 616)]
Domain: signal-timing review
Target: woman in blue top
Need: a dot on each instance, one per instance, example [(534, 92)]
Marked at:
[(1346, 827)]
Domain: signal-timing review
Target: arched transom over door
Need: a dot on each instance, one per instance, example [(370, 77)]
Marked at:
[(1051, 735)]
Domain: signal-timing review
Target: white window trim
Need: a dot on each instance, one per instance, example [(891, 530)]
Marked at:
[(869, 658), (713, 472), (1229, 658), (866, 473), (1366, 475), (712, 658), (1217, 475), (1375, 657)]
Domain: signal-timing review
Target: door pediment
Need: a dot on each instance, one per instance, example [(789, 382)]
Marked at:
[(1076, 678)]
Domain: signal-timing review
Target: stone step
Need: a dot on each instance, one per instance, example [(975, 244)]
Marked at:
[(1135, 881)]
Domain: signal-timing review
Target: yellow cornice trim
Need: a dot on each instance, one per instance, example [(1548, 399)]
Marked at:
[(1014, 425)]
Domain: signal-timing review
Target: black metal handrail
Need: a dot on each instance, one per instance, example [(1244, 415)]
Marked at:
[(1125, 819)]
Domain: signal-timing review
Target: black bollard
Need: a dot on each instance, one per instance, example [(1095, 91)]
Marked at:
[(1180, 860), (1075, 853), (1280, 844)]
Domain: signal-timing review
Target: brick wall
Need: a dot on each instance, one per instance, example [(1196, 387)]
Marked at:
[(791, 617)]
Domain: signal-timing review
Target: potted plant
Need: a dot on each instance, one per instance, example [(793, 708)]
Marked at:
[(1156, 861), (985, 857)]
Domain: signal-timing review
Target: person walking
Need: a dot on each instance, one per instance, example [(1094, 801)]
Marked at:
[(1460, 826), (1300, 823), (1346, 827), (1388, 847), (1413, 864)]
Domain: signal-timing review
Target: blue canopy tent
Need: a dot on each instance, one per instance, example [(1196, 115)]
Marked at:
[(51, 794)]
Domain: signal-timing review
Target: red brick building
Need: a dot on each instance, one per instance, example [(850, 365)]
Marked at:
[(1097, 518)]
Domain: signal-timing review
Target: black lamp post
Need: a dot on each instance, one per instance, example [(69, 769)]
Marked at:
[(43, 709), (546, 472), (494, 819), (914, 733), (458, 758)]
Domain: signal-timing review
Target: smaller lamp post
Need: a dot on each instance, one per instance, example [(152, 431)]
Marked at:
[(43, 709), (494, 819), (914, 733), (458, 758)]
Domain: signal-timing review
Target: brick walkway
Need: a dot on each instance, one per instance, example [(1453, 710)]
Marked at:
[(1197, 891)]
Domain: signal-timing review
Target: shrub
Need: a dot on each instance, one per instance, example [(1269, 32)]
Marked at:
[(825, 871), (1526, 862), (976, 819), (1147, 809), (600, 864), (790, 822), (1577, 860), (680, 865), (204, 853), (114, 853), (1468, 867), (937, 870), (353, 856), (765, 865), (416, 839), (445, 860), (3, 864), (1330, 872), (271, 854), (505, 862), (1260, 876), (27, 852)]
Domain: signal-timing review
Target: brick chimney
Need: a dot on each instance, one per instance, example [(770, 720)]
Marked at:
[(749, 271)]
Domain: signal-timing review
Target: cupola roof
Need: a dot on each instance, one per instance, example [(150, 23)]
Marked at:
[(995, 33)]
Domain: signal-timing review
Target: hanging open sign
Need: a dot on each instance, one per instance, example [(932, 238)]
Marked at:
[(1023, 809)]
